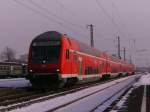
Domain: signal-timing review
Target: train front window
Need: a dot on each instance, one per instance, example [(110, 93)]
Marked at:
[(46, 52)]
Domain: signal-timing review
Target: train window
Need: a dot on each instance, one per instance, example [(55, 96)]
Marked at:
[(47, 43), (46, 52), (101, 68), (91, 70), (96, 70), (75, 57), (86, 70), (67, 54)]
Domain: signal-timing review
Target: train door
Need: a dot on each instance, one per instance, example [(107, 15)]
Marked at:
[(71, 62), (100, 67), (80, 65), (75, 63)]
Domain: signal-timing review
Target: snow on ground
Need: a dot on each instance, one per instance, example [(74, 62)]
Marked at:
[(120, 104), (14, 82), (81, 105), (144, 80)]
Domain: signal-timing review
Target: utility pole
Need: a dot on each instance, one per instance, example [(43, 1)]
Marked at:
[(130, 59), (118, 38), (91, 34), (124, 53)]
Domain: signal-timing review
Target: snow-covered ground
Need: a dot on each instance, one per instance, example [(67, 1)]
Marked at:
[(84, 105), (14, 82), (120, 104), (144, 80)]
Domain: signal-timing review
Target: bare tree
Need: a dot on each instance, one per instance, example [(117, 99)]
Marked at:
[(23, 58), (8, 55)]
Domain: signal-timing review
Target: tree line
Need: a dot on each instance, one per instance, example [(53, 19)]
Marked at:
[(9, 55)]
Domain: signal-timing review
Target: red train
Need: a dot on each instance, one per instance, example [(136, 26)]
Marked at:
[(56, 58)]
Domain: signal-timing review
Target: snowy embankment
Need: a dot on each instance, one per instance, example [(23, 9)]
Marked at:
[(14, 83), (84, 100), (125, 102), (144, 80)]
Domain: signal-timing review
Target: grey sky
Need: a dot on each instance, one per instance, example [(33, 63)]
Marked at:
[(19, 25)]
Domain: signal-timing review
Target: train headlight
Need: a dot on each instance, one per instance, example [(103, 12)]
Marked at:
[(57, 70), (31, 70)]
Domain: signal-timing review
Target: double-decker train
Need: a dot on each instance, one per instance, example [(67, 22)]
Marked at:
[(56, 58)]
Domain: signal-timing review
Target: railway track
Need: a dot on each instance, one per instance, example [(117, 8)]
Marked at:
[(13, 92), (89, 97), (13, 96), (31, 97), (135, 99)]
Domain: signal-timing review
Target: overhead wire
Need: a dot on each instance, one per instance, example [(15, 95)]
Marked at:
[(121, 21), (120, 18), (129, 34), (52, 14), (70, 12), (38, 12), (65, 8), (47, 17), (108, 16)]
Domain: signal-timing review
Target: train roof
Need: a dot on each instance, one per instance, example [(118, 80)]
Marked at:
[(49, 35), (54, 35), (88, 49), (96, 52)]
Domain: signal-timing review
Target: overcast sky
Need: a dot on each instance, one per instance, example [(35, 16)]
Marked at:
[(21, 21)]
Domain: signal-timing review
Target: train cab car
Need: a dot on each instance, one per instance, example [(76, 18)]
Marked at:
[(55, 58), (44, 58)]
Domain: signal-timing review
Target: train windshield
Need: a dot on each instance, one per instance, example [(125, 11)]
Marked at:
[(46, 52)]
